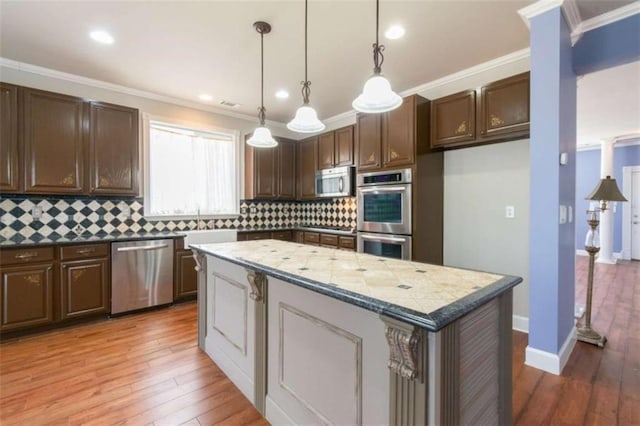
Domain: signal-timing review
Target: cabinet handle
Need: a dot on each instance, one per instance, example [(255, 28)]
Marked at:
[(86, 250), (27, 255), (341, 184)]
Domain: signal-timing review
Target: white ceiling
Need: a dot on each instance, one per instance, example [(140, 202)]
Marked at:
[(181, 49)]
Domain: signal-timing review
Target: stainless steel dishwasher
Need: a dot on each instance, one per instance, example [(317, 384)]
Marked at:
[(141, 274)]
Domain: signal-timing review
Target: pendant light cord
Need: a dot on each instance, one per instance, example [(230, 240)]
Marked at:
[(261, 110), (306, 89), (378, 57)]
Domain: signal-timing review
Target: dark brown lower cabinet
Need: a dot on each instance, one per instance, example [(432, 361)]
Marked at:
[(186, 277), (84, 288), (26, 299)]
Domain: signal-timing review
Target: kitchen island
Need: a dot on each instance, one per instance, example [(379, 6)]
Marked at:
[(322, 336)]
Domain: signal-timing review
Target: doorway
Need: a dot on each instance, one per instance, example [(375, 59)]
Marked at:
[(631, 212)]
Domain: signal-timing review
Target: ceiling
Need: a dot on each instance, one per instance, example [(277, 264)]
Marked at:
[(181, 49)]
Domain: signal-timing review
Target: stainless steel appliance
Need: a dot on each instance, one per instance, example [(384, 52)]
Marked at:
[(141, 274), (387, 245), (384, 213), (384, 202), (336, 182)]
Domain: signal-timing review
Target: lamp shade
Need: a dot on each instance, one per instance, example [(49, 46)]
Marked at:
[(262, 138), (306, 121), (607, 190), (377, 96)]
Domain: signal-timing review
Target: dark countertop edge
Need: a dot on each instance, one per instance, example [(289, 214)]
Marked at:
[(90, 239), (431, 322), (300, 228)]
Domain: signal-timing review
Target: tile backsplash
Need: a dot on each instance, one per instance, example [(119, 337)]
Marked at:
[(64, 215)]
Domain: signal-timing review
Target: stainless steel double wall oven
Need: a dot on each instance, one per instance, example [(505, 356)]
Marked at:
[(384, 213)]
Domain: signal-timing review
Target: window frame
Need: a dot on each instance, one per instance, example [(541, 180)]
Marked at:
[(146, 132)]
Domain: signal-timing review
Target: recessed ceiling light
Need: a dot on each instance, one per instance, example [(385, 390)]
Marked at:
[(394, 32), (101, 37), (205, 97), (282, 94)]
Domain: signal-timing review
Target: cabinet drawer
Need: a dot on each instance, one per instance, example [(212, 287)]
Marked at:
[(251, 236), (281, 235), (83, 251), (312, 238), (329, 240), (26, 255), (347, 243)]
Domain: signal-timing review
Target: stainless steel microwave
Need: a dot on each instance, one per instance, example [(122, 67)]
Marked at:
[(336, 182)]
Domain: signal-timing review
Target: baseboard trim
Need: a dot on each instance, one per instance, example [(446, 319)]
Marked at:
[(276, 415), (520, 323), (550, 362)]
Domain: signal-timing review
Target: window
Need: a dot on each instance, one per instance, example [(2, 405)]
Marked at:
[(189, 171)]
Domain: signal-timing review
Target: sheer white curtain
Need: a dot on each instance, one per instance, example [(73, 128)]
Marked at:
[(191, 171)]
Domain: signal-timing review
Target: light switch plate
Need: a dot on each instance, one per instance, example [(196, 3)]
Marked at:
[(563, 214), (510, 212), (36, 212)]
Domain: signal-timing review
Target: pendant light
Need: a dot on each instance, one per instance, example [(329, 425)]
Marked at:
[(377, 95), (261, 137), (306, 119)]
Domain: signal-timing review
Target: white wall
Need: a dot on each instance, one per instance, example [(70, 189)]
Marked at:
[(479, 183)]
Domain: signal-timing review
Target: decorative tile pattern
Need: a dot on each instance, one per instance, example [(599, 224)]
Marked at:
[(84, 215)]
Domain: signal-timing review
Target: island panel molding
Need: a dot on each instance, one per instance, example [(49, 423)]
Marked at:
[(227, 317), (333, 356)]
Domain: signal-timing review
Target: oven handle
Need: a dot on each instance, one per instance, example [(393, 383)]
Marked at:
[(384, 189), (394, 239), (142, 248)]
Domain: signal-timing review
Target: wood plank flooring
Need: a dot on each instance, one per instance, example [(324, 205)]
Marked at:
[(147, 369)]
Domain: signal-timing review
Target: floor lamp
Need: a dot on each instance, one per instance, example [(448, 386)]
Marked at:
[(605, 191)]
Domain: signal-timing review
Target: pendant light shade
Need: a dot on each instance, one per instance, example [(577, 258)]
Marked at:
[(261, 137), (306, 119), (377, 96)]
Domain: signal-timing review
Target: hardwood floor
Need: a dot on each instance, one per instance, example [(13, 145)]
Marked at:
[(137, 369), (147, 369), (597, 386)]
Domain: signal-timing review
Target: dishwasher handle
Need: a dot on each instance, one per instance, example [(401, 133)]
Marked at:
[(142, 248)]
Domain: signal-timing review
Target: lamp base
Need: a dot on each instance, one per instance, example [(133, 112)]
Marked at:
[(588, 335)]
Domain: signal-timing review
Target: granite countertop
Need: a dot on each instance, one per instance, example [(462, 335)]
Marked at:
[(56, 239), (327, 230), (429, 296)]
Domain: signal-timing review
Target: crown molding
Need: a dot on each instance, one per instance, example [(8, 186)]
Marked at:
[(470, 72), (74, 78), (340, 117), (610, 17), (538, 8), (619, 141)]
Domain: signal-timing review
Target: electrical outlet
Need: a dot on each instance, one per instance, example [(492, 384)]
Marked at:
[(36, 212), (253, 210), (243, 210)]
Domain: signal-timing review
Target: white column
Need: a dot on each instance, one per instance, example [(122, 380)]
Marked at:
[(606, 219)]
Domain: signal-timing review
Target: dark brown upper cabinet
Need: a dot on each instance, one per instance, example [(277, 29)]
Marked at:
[(113, 149), (453, 119), (10, 179), (53, 132), (335, 148), (368, 138), (391, 140), (504, 107), (398, 135), (270, 172), (307, 161), (496, 112)]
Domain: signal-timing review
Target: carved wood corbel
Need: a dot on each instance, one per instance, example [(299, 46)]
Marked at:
[(404, 342), (257, 281)]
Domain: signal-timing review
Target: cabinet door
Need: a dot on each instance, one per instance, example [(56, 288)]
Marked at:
[(344, 146), (52, 126), (186, 279), (113, 150), (26, 298), (504, 106), (398, 135), (265, 172), (307, 168), (9, 148), (368, 141), (84, 288), (326, 151), (287, 170), (453, 119)]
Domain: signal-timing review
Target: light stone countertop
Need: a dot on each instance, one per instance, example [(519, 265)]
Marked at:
[(427, 295)]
